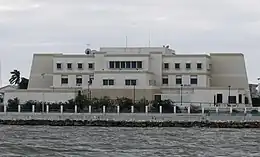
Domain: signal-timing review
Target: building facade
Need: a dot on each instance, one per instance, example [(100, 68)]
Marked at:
[(140, 72)]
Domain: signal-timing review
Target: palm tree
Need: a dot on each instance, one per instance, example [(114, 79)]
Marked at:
[(17, 80)]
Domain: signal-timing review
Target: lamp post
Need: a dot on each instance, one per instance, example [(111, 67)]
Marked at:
[(134, 92), (43, 96), (229, 94), (89, 83), (181, 93)]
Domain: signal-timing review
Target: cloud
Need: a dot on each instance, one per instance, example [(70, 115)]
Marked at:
[(28, 26)]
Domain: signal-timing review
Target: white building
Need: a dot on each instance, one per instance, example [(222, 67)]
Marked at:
[(150, 72)]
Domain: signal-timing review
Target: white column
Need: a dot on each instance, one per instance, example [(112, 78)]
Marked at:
[(5, 108), (216, 109), (230, 109), (160, 109), (104, 109), (47, 108), (132, 109), (19, 108), (75, 108), (61, 108), (174, 109), (146, 109), (188, 109), (202, 110), (33, 108), (245, 110), (118, 109), (89, 108)]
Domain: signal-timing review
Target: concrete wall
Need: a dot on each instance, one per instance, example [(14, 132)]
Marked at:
[(40, 95), (202, 95), (41, 71)]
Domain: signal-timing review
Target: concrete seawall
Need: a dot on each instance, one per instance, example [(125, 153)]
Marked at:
[(111, 123), (130, 120)]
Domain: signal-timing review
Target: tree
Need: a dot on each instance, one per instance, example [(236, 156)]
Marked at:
[(17, 80)]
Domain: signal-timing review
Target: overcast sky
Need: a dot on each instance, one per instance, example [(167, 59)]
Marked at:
[(188, 26)]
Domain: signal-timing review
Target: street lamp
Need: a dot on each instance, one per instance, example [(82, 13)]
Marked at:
[(229, 94), (43, 74), (89, 83), (134, 92), (181, 93)]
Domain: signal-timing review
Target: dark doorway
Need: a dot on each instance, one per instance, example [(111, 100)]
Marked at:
[(232, 99), (240, 98), (157, 97), (219, 98)]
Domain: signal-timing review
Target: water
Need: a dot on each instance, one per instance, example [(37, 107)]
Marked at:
[(127, 142)]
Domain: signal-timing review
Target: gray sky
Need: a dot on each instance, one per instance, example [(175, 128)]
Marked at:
[(188, 26)]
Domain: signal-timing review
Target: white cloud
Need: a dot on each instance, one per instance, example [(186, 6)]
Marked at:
[(27, 26)]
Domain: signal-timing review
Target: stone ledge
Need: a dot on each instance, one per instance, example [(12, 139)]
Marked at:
[(112, 123)]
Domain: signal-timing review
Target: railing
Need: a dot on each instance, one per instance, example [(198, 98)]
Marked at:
[(175, 110)]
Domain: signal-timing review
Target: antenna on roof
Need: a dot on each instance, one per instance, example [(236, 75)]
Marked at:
[(149, 42), (126, 41)]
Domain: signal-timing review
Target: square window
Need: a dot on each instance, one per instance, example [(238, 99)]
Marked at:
[(178, 80), (80, 66), (166, 65), (130, 82), (91, 65), (165, 81), (78, 80), (105, 82), (193, 79), (58, 65), (133, 82), (110, 82), (64, 80), (111, 64), (117, 64), (139, 64), (188, 65), (128, 65), (177, 65), (69, 66), (123, 65), (199, 66), (133, 64)]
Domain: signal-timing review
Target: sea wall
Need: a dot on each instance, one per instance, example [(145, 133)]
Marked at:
[(112, 123)]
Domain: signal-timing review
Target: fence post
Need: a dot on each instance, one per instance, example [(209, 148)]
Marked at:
[(61, 108), (76, 109), (132, 109), (19, 108), (33, 108), (146, 109), (47, 108), (104, 109), (89, 109), (174, 109), (5, 108), (118, 109), (160, 108)]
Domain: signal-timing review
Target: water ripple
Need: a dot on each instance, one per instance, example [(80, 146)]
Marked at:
[(127, 142)]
